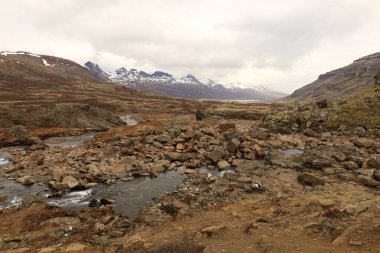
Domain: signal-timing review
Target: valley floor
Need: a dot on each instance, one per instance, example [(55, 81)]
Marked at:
[(292, 192)]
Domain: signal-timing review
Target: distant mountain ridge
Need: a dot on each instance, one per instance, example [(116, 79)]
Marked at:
[(343, 81), (186, 87)]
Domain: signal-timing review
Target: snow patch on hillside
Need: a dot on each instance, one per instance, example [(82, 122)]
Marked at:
[(6, 53), (47, 64)]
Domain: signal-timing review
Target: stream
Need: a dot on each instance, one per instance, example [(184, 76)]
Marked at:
[(130, 196), (71, 141)]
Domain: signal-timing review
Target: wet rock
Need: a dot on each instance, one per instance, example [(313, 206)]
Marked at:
[(27, 180), (233, 145), (57, 186), (374, 162), (3, 197), (107, 201), (70, 181), (223, 165), (94, 203), (310, 179)]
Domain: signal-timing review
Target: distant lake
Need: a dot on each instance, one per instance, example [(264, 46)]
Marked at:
[(240, 101)]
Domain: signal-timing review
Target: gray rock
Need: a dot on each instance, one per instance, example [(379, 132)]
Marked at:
[(180, 157), (233, 145), (216, 155)]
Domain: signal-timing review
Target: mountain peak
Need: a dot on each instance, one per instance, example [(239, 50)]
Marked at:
[(95, 69), (188, 86), (189, 79)]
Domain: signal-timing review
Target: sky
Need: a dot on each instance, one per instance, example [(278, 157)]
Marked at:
[(280, 44)]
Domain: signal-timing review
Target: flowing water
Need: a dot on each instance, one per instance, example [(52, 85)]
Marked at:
[(291, 151), (72, 141), (130, 196), (129, 120), (5, 158), (15, 192)]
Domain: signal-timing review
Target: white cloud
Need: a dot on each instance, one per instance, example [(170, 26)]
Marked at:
[(281, 44)]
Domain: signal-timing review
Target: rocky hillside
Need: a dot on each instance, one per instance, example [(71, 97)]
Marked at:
[(357, 113), (40, 91), (344, 81), (186, 87)]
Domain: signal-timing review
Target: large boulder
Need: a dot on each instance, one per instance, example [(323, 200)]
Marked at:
[(233, 145), (216, 155), (70, 181)]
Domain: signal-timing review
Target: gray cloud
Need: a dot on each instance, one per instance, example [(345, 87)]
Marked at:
[(281, 44)]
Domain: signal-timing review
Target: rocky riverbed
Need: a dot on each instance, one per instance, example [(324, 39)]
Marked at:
[(205, 182)]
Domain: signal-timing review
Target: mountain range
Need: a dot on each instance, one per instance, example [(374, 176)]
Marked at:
[(186, 87), (343, 81)]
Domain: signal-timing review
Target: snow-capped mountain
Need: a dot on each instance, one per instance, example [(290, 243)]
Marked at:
[(185, 87)]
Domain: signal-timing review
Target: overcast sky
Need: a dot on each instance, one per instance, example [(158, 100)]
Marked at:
[(281, 44)]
